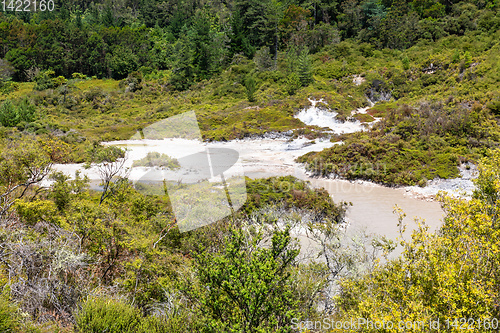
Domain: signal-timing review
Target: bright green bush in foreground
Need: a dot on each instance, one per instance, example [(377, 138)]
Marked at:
[(9, 322), (107, 315)]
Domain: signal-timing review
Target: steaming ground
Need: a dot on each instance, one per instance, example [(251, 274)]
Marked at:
[(320, 116)]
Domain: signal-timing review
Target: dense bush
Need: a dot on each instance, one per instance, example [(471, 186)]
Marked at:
[(246, 287), (11, 115), (45, 80), (292, 192), (107, 315)]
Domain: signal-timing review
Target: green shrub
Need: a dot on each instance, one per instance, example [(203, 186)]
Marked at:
[(251, 88), (26, 111), (406, 63), (494, 107), (9, 322), (467, 59), (152, 324), (45, 80), (133, 82), (7, 87), (246, 287), (292, 84), (99, 315), (291, 192), (79, 76), (155, 159), (94, 93), (8, 114), (304, 69)]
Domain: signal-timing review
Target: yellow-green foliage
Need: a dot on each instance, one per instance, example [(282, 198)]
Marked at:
[(107, 315), (37, 211), (102, 110), (447, 275), (9, 321)]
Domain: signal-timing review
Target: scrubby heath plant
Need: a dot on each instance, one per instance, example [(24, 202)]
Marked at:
[(291, 192), (247, 286)]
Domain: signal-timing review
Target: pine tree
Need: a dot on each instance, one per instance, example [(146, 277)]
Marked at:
[(26, 111), (8, 114), (292, 83), (251, 87), (304, 69)]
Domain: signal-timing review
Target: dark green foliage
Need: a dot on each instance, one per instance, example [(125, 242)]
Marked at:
[(99, 154), (45, 80), (114, 39), (11, 115), (263, 59), (122, 62), (240, 40), (494, 106), (133, 82), (8, 114), (456, 57), (245, 287), (26, 111), (6, 71), (399, 28), (406, 63), (251, 87), (61, 190)]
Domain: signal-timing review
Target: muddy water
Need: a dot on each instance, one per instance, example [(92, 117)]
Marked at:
[(373, 205)]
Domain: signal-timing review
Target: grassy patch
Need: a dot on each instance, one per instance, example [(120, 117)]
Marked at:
[(363, 117)]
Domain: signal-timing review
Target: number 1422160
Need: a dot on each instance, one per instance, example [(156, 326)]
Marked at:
[(27, 5)]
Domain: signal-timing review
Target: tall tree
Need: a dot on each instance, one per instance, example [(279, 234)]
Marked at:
[(275, 11)]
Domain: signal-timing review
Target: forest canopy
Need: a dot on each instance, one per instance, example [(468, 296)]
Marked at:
[(196, 40)]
